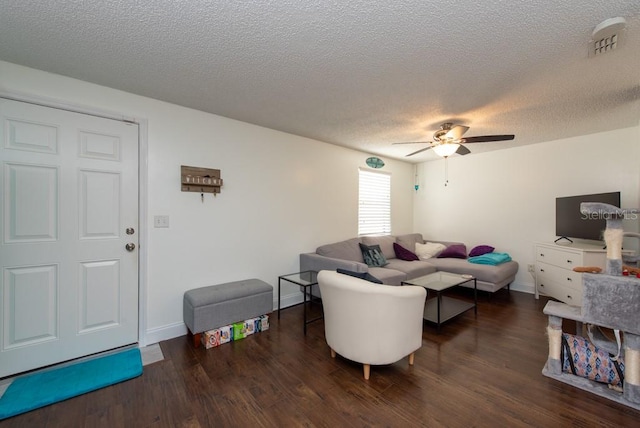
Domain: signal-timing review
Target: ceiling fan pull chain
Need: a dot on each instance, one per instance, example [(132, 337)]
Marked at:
[(446, 170)]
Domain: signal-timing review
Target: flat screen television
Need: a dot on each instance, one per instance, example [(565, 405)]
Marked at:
[(571, 223)]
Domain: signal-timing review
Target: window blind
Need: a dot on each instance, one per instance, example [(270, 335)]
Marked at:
[(374, 203)]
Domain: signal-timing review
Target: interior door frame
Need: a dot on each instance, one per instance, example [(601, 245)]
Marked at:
[(142, 185)]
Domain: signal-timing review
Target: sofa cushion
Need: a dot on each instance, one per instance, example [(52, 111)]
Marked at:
[(362, 275), (480, 250), (485, 273), (373, 256), (389, 276), (384, 241), (428, 250), (345, 250), (403, 254), (456, 251), (409, 241), (413, 269)]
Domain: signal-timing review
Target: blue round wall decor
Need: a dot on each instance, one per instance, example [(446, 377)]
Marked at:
[(375, 162)]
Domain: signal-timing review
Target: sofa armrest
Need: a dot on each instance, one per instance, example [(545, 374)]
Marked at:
[(313, 261)]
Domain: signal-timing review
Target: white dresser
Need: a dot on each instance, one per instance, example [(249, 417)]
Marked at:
[(554, 269)]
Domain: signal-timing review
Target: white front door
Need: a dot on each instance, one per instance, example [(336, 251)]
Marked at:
[(69, 207)]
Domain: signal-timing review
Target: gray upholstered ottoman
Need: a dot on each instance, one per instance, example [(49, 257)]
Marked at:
[(215, 306)]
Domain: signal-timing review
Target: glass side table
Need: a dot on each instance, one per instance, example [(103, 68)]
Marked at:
[(306, 279)]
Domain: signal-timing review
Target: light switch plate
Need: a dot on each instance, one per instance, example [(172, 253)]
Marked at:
[(161, 221)]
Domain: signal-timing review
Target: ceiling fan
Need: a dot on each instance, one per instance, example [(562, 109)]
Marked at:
[(448, 140)]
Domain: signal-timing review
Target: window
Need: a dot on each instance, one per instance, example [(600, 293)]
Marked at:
[(374, 203)]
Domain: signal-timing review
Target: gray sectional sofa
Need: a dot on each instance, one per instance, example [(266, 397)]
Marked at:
[(348, 255)]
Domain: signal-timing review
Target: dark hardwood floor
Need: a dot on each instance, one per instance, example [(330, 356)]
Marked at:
[(483, 371)]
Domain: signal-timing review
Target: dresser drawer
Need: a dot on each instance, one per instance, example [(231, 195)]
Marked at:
[(567, 278), (558, 257), (564, 294), (561, 284), (554, 269)]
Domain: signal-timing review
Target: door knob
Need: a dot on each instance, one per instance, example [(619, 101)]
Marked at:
[(130, 246), (130, 231)]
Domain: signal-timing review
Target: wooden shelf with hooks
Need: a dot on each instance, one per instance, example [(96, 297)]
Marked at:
[(200, 180)]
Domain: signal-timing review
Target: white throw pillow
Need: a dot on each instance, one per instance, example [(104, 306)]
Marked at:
[(428, 250)]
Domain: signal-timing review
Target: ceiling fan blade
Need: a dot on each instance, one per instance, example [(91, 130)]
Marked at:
[(418, 151), (456, 132), (412, 142), (488, 138), (462, 150)]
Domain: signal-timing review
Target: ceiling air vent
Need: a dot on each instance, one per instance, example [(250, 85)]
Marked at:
[(607, 36)]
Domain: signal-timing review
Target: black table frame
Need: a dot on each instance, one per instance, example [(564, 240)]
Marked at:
[(457, 306), (313, 280)]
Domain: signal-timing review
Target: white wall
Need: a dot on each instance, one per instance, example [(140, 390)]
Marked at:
[(282, 194), (506, 198)]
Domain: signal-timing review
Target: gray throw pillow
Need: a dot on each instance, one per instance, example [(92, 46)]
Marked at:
[(373, 256)]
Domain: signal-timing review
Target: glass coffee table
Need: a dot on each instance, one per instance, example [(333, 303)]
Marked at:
[(443, 308)]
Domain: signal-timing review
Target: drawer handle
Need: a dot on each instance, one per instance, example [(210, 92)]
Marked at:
[(569, 279), (569, 261), (541, 285), (541, 270), (541, 255), (569, 297)]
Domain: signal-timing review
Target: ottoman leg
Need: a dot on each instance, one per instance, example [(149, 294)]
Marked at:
[(197, 337)]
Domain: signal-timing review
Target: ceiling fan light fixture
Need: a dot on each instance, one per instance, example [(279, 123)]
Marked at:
[(446, 149)]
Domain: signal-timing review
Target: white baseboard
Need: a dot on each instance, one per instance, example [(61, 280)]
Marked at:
[(158, 334), (288, 300), (525, 288)]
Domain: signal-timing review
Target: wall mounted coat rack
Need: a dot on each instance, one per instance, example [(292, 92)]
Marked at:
[(200, 180)]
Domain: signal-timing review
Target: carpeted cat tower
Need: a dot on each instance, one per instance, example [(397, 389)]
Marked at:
[(610, 300)]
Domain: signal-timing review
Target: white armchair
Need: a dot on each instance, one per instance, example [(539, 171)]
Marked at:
[(369, 323)]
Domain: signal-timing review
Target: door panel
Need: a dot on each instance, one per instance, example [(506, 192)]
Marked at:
[(99, 204), (31, 136), (33, 291), (69, 288), (100, 292), (33, 217)]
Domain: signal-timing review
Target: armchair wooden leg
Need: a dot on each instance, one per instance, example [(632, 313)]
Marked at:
[(333, 353), (367, 371), (411, 356)]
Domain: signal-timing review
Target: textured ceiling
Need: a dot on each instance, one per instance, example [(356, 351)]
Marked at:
[(360, 74)]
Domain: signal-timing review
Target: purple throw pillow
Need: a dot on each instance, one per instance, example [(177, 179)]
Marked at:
[(456, 251), (480, 250), (404, 254)]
